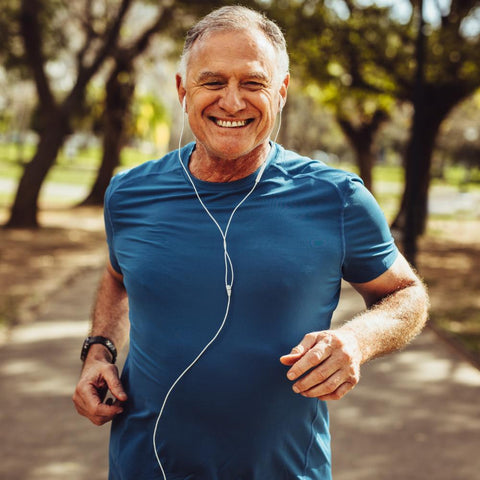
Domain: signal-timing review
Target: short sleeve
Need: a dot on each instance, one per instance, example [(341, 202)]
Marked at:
[(370, 249), (110, 232)]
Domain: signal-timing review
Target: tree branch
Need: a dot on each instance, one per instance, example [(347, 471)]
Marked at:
[(161, 22), (90, 33), (32, 38), (86, 73)]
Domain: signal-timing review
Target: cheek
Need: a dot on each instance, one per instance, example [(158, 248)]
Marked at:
[(269, 115)]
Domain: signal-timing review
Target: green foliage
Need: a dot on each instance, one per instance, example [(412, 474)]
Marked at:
[(149, 113)]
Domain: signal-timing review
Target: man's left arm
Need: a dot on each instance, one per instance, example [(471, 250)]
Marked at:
[(326, 364)]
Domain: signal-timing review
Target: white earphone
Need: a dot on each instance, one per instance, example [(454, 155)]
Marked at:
[(228, 280), (184, 104)]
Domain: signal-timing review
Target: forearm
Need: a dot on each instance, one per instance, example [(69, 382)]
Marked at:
[(326, 364), (391, 323), (110, 319), (110, 312)]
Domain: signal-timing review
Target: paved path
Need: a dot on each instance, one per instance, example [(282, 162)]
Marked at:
[(414, 416)]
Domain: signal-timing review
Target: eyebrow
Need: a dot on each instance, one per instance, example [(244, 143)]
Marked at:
[(206, 75)]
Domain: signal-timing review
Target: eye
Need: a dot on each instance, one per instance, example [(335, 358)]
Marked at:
[(213, 85), (252, 85)]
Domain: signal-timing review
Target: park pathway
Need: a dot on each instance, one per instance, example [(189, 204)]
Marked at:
[(414, 416)]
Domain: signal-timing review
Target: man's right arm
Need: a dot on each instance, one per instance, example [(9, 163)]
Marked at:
[(110, 319)]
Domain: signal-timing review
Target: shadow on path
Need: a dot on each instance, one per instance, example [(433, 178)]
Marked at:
[(415, 415), (43, 437)]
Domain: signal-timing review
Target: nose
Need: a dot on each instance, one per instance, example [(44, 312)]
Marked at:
[(231, 100)]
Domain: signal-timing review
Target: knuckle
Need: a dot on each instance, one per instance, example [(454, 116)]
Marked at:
[(316, 356), (353, 379), (309, 336), (330, 385), (336, 395), (320, 374)]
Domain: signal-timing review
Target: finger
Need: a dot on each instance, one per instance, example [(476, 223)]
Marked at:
[(297, 352), (98, 413), (108, 412), (317, 376), (114, 384), (325, 387), (88, 399), (290, 359), (314, 357), (341, 391)]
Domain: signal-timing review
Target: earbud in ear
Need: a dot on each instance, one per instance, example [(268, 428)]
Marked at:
[(184, 104), (281, 103)]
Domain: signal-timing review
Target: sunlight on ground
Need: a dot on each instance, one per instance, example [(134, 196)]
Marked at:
[(428, 369), (46, 331), (58, 470)]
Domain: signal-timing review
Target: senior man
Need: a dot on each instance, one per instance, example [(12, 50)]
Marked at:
[(224, 255)]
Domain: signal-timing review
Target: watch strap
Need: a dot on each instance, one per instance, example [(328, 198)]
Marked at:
[(106, 342)]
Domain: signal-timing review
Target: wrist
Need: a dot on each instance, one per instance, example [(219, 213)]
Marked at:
[(100, 348), (99, 353), (353, 342)]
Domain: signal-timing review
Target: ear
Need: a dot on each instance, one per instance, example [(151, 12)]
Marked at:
[(283, 91), (181, 91)]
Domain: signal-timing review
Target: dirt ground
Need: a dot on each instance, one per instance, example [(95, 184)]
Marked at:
[(36, 263), (449, 262)]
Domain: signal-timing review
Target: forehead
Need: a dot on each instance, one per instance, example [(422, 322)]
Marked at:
[(228, 51)]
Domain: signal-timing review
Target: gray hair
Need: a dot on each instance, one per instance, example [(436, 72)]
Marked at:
[(236, 18)]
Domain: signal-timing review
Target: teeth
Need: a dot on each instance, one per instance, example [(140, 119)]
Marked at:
[(229, 124)]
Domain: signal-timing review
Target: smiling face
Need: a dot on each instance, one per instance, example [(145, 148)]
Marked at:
[(233, 92)]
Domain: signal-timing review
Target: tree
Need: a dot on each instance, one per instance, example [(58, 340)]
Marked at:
[(459, 141), (54, 115), (416, 148), (327, 50), (120, 88), (373, 51), (451, 74)]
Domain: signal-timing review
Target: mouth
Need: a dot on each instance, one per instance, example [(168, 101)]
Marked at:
[(231, 123)]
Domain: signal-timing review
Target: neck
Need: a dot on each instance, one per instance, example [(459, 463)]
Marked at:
[(217, 169)]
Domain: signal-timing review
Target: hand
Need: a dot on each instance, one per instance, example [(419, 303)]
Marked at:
[(328, 362), (97, 377)]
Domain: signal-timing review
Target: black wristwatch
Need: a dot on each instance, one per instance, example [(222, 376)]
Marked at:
[(106, 342)]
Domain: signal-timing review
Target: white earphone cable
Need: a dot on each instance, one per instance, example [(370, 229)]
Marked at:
[(228, 282)]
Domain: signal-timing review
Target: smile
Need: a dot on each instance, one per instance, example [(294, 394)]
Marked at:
[(230, 123)]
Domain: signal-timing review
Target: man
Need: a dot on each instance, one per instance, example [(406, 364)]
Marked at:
[(223, 256)]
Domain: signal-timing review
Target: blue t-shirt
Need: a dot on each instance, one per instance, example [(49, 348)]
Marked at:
[(234, 415)]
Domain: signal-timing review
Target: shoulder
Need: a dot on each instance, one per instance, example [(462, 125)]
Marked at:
[(301, 169), (144, 174)]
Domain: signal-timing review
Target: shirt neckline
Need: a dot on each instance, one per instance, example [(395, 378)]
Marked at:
[(186, 153)]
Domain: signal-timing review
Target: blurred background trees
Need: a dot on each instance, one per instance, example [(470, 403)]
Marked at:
[(105, 68)]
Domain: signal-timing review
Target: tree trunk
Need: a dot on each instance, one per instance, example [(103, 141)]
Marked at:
[(361, 139), (438, 104), (24, 211), (120, 88), (54, 118), (420, 147), (365, 162)]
